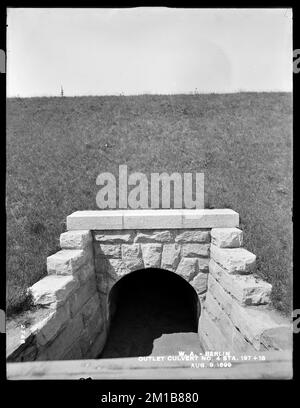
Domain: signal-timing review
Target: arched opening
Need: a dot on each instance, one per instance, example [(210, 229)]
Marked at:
[(152, 312)]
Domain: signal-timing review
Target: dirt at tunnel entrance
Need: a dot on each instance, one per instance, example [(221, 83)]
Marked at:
[(156, 314)]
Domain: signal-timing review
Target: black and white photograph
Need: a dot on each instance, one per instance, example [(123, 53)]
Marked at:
[(149, 195)]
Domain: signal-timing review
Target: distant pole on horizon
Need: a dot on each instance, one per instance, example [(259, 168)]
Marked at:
[(61, 91)]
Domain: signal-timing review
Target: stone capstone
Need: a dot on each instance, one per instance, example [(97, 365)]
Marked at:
[(152, 219)]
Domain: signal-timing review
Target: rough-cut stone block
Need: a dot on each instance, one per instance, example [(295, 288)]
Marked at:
[(113, 251), (154, 236), (131, 251), (199, 282), (214, 218), (90, 308), (202, 298), (48, 328), (134, 264), (192, 250), (247, 289), (237, 341), (187, 268), (95, 220), (66, 338), (53, 289), (199, 236), (151, 255), (214, 339), (203, 265), (93, 320), (94, 324), (121, 267), (73, 353), (170, 257), (235, 260), (82, 295), (227, 237), (67, 261), (97, 346), (90, 336), (114, 238), (105, 273), (75, 239), (252, 321), (85, 272)]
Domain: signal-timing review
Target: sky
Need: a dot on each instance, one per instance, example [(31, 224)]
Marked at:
[(147, 50)]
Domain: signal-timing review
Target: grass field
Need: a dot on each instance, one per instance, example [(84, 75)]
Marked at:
[(56, 147)]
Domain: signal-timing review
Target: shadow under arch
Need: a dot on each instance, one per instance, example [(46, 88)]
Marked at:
[(146, 305)]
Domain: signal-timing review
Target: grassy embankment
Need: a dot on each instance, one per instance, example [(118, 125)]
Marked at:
[(56, 147)]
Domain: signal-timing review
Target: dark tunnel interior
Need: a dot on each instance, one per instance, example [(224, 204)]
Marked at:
[(146, 305)]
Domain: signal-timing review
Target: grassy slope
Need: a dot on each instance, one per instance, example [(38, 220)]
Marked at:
[(56, 149)]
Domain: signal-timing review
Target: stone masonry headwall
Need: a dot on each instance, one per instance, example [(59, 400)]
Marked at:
[(71, 318)]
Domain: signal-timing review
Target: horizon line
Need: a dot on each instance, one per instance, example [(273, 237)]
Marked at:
[(192, 93)]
